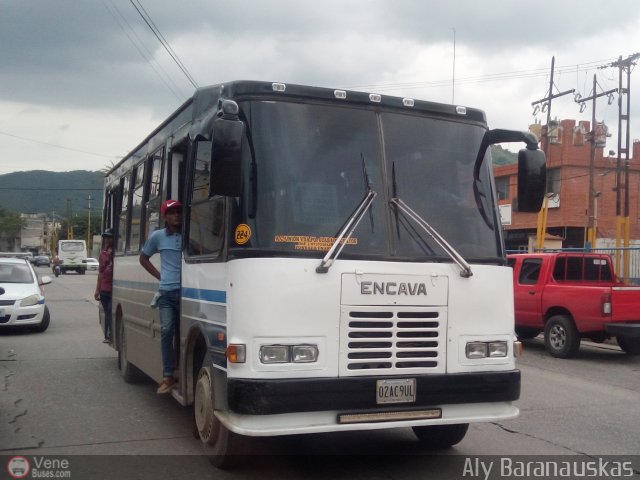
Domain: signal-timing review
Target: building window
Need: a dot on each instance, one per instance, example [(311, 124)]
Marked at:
[(553, 180), (502, 187)]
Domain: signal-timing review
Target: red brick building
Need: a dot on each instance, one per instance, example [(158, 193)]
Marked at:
[(568, 179)]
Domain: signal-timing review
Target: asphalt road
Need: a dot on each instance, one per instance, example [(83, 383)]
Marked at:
[(62, 395)]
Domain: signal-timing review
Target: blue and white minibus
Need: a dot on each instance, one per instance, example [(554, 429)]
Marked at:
[(343, 263)]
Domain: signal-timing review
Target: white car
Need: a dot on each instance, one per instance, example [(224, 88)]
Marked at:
[(22, 295), (92, 263)]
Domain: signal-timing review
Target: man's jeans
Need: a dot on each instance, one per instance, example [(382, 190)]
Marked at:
[(105, 300), (169, 309)]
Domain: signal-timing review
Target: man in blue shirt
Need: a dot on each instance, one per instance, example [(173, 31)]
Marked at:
[(167, 242)]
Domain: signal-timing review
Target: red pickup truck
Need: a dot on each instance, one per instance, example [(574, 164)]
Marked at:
[(570, 296)]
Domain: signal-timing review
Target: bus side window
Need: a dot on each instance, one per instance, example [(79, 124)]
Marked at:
[(124, 209), (206, 215), (136, 208), (152, 210)]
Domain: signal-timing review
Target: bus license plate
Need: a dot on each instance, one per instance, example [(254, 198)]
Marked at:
[(396, 391)]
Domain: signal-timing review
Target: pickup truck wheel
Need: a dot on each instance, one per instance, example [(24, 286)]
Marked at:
[(561, 337), (630, 346)]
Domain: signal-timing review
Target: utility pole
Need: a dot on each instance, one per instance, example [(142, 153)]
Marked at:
[(69, 220), (591, 217), (89, 236), (453, 77), (623, 226), (546, 104)]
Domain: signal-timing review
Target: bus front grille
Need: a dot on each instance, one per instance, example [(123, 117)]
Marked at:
[(393, 340)]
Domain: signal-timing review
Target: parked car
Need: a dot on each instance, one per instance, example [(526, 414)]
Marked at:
[(22, 300), (42, 261), (92, 263), (570, 296)]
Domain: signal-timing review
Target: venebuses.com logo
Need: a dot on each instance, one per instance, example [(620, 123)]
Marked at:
[(18, 467), (38, 467)]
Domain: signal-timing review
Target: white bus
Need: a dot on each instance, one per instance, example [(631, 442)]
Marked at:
[(343, 263), (72, 255)]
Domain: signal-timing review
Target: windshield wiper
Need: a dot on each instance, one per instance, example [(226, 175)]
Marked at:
[(345, 234), (351, 223), (465, 268)]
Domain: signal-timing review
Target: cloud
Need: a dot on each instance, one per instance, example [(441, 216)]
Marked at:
[(98, 60)]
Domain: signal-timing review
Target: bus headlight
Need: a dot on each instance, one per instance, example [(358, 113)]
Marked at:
[(304, 353), (476, 350), (486, 349), (274, 354), (498, 349), (289, 353)]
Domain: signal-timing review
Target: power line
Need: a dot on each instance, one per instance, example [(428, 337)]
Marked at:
[(139, 45), (147, 19), (517, 74), (41, 189), (57, 146)]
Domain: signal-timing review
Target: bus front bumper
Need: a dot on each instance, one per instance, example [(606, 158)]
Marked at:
[(275, 396), (328, 421)]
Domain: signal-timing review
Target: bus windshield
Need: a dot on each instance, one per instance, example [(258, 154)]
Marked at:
[(313, 165), (72, 246)]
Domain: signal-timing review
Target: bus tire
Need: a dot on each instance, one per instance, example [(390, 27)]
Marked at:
[(129, 372), (525, 333), (222, 445), (630, 346), (561, 337), (441, 436)]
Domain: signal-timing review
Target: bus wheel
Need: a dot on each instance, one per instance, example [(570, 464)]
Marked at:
[(526, 333), (630, 346), (222, 445), (130, 373), (441, 436), (561, 337)]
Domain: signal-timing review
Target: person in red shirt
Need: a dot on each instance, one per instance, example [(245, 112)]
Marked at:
[(104, 285)]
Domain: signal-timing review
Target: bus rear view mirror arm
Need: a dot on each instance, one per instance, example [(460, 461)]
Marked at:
[(532, 171)]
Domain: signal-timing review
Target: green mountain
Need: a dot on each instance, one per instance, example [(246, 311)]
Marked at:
[(41, 191), (502, 156)]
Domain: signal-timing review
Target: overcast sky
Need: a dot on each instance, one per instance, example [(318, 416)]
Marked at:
[(83, 82)]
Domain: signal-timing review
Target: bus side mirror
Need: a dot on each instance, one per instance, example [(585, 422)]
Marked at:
[(532, 180), (226, 154)]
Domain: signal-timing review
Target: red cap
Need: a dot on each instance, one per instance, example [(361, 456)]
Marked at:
[(170, 204)]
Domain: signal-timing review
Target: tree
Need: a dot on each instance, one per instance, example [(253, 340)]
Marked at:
[(10, 223), (10, 226), (79, 225)]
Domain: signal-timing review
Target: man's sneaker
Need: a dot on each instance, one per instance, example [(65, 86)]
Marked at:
[(106, 340), (166, 385)]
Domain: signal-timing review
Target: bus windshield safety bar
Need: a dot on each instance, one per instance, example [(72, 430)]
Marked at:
[(344, 236), (465, 268)]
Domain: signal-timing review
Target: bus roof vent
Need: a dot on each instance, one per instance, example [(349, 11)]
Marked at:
[(278, 87), (408, 102), (341, 94), (374, 97)]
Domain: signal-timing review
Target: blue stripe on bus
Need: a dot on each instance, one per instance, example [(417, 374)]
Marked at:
[(218, 296), (148, 286)]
